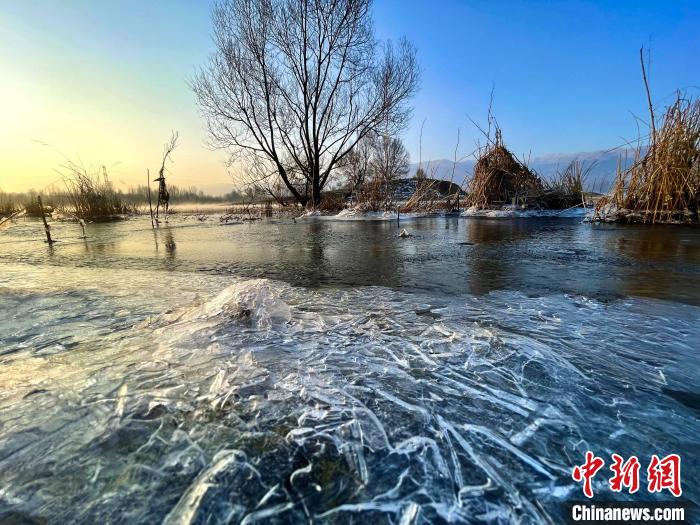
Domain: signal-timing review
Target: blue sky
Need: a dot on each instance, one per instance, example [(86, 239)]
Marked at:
[(566, 74), (107, 80)]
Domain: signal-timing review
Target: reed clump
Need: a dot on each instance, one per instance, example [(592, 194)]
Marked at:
[(91, 195), (500, 178), (566, 189), (663, 183), (33, 209), (8, 204), (12, 203)]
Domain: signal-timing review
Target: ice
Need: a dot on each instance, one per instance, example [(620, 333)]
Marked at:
[(256, 401), (356, 214), (252, 301), (185, 511), (508, 212)]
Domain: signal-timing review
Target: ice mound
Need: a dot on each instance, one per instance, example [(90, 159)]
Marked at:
[(349, 212), (252, 301), (359, 214), (607, 213)]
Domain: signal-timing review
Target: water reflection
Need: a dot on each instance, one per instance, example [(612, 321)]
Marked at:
[(169, 243), (485, 231), (486, 273), (452, 256), (313, 254), (656, 243), (658, 259), (99, 248)]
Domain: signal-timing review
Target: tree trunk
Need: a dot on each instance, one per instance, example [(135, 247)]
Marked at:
[(316, 191), (283, 175)]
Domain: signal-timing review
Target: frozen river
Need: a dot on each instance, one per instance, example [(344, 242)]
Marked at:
[(332, 372)]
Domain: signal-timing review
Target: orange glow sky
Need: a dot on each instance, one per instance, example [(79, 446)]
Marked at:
[(106, 81), (107, 88)]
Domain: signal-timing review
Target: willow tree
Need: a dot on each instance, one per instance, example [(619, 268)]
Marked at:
[(294, 85)]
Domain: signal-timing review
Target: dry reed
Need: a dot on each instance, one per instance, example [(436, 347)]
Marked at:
[(91, 194), (566, 190), (8, 205), (331, 201), (500, 178), (663, 183), (426, 198)]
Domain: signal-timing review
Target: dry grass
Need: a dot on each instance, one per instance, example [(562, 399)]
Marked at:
[(8, 204), (663, 184), (91, 194), (11, 203), (426, 198), (500, 178), (34, 210), (372, 195), (332, 201), (566, 190)]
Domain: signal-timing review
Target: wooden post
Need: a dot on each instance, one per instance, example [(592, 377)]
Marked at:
[(150, 204), (46, 224)]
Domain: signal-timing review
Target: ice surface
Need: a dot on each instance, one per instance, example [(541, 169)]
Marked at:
[(355, 214), (253, 400), (510, 212)]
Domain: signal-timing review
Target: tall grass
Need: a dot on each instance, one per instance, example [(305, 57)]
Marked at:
[(331, 201), (566, 189), (372, 194), (426, 198), (13, 202), (92, 195), (663, 183)]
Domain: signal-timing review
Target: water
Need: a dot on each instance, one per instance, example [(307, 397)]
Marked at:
[(334, 373)]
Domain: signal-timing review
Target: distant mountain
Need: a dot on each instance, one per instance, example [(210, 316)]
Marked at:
[(600, 176)]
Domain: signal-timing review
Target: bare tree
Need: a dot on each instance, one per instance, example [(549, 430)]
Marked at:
[(389, 163), (371, 169), (355, 167), (296, 84)]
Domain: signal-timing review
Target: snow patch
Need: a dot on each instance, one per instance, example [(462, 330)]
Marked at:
[(508, 212), (357, 214)]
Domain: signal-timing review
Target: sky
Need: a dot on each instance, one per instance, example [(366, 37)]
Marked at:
[(106, 82)]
